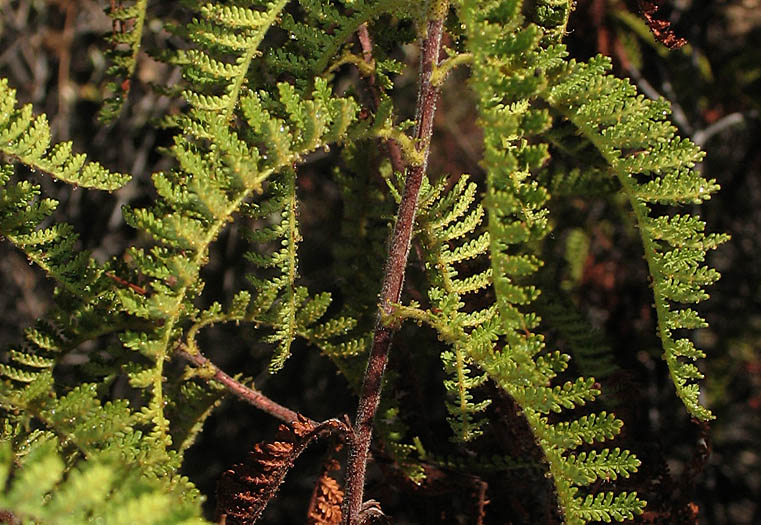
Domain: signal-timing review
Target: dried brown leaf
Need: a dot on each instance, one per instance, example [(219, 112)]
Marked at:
[(661, 29), (244, 490)]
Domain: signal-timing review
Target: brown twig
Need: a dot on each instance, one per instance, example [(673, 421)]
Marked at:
[(135, 288), (247, 394), (366, 43), (394, 272), (481, 487)]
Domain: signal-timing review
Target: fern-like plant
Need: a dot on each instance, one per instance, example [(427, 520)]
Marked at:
[(270, 89)]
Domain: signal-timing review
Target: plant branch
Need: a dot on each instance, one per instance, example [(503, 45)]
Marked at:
[(366, 43), (394, 271), (240, 390)]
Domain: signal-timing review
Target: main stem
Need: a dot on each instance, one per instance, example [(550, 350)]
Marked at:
[(393, 278)]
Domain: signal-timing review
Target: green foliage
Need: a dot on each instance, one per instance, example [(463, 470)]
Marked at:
[(83, 292), (448, 223), (262, 95), (518, 220), (217, 174), (41, 489), (654, 167), (316, 39), (52, 248), (25, 139)]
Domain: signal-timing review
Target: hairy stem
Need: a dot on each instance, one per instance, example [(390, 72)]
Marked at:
[(247, 394), (393, 278)]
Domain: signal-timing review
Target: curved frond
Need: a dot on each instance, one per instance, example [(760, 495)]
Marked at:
[(653, 166), (513, 64)]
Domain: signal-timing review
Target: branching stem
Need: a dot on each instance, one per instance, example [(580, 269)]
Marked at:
[(393, 278)]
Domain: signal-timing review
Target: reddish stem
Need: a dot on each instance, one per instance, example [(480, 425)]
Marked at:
[(247, 394), (393, 278), (366, 43)]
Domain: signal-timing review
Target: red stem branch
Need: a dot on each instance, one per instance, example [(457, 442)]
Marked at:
[(393, 277), (247, 394)]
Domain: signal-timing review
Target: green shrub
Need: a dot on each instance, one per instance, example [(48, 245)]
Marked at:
[(268, 88)]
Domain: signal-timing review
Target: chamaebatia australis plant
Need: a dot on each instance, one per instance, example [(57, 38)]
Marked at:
[(457, 272)]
